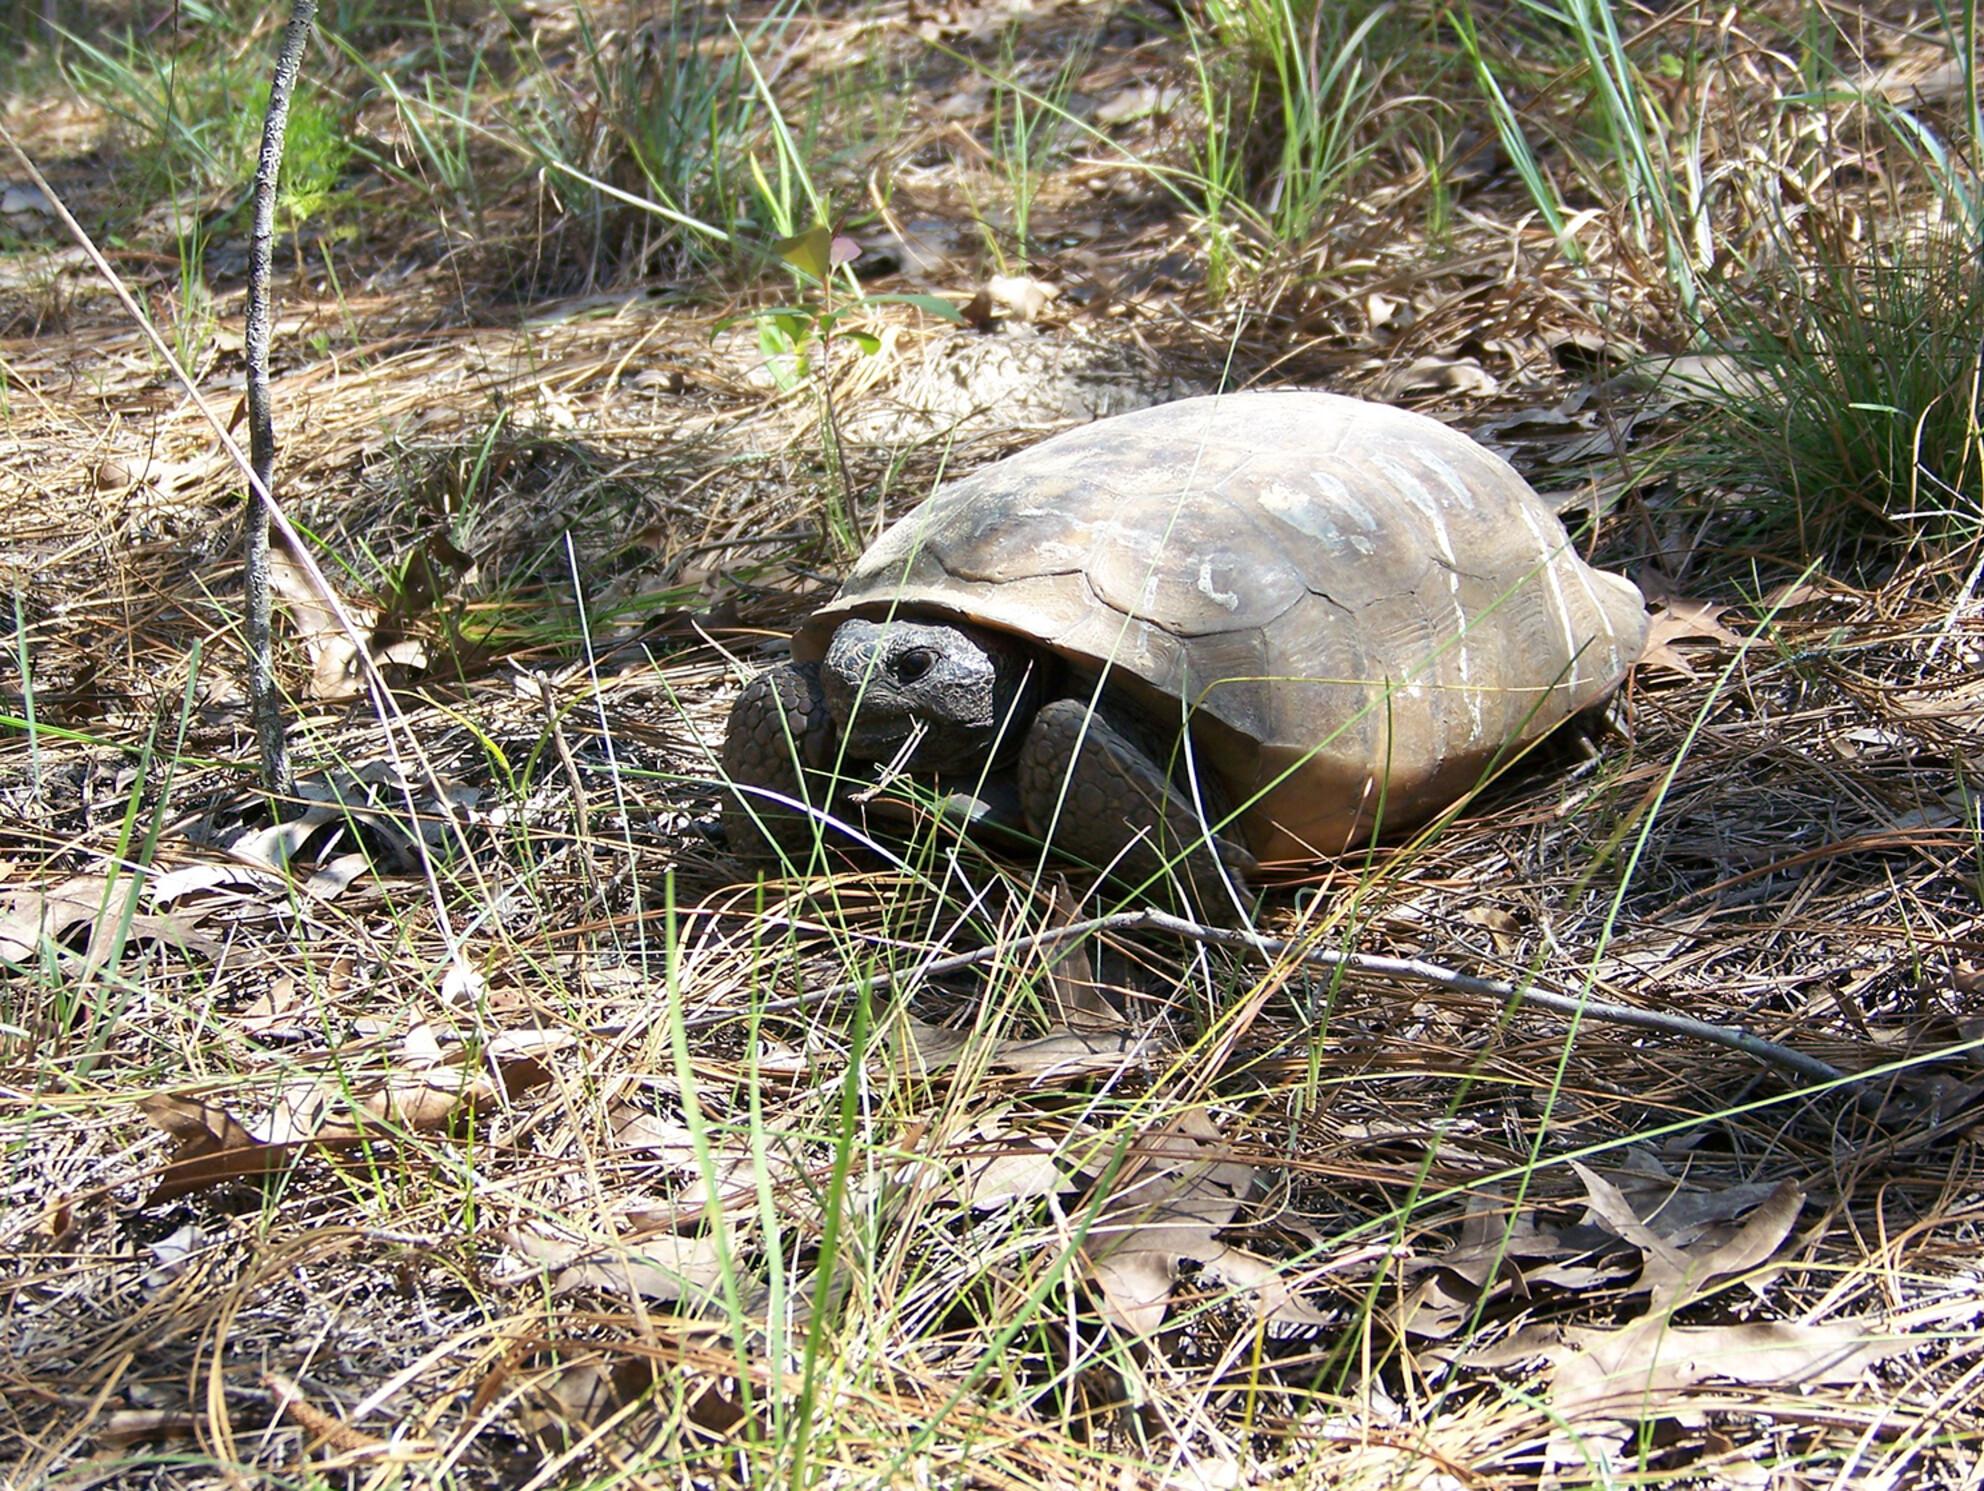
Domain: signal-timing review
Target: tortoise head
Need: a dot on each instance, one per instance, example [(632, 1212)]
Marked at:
[(972, 690)]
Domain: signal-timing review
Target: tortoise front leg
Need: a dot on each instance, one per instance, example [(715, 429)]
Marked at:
[(1089, 783), (776, 750)]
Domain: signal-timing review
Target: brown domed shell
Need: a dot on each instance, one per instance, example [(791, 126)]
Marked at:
[(1348, 599)]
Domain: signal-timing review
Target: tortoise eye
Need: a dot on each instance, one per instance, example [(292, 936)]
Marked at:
[(913, 664)]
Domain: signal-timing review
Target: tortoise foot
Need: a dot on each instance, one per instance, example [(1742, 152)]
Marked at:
[(1092, 786), (775, 749)]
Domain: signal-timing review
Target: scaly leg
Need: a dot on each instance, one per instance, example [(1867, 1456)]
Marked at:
[(779, 741), (1088, 781)]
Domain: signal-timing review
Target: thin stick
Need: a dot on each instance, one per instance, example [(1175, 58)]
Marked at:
[(262, 698), (1410, 970), (386, 707)]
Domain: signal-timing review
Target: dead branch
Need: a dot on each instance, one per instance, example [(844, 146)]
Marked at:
[(262, 697), (1409, 970)]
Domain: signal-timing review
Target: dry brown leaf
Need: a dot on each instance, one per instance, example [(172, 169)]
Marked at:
[(426, 1085), (1138, 101), (1022, 1169), (667, 1138), (1497, 1253), (1677, 620), (1602, 1383), (372, 798), (1794, 593), (1499, 924), (210, 1148), (173, 1254), (34, 918), (668, 1266), (1678, 1271), (1060, 1054), (1268, 1285), (1462, 375), (733, 1165), (582, 1395), (1434, 1310), (1022, 1175), (123, 1427), (1678, 1209), (162, 888), (1168, 1203), (1076, 993), (1024, 297), (1715, 376), (334, 666)]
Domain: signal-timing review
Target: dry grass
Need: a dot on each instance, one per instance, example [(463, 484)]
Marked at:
[(486, 1126)]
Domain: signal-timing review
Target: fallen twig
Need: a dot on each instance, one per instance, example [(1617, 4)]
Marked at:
[(1411, 970), (263, 699)]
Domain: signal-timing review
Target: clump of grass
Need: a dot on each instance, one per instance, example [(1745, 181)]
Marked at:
[(187, 128), (1852, 416), (1298, 83), (1619, 141), (1027, 140), (668, 147)]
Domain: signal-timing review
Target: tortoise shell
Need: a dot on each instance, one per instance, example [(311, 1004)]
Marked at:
[(1352, 607)]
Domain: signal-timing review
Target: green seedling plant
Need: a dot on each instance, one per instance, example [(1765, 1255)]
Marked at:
[(796, 337), (799, 338)]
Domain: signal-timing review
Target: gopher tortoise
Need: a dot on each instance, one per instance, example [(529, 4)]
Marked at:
[(1253, 626)]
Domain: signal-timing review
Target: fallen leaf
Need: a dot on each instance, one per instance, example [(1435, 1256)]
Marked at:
[(679, 1269), (1687, 1255), (122, 1427), (1168, 1201), (173, 1254), (1060, 1054), (1502, 927), (1676, 620), (1025, 298), (573, 1399), (373, 799), (335, 671), (1023, 1168), (1139, 101), (1076, 998), (1795, 593), (49, 918), (1437, 375), (1268, 1283), (424, 1084), (24, 199), (1602, 1384), (210, 1148), (1497, 1253), (1717, 377)]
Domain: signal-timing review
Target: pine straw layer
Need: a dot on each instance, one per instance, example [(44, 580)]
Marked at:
[(1782, 841)]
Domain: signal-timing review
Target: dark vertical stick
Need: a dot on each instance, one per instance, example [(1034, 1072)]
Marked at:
[(262, 696)]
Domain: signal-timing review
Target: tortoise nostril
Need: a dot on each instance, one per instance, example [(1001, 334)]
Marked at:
[(914, 663)]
